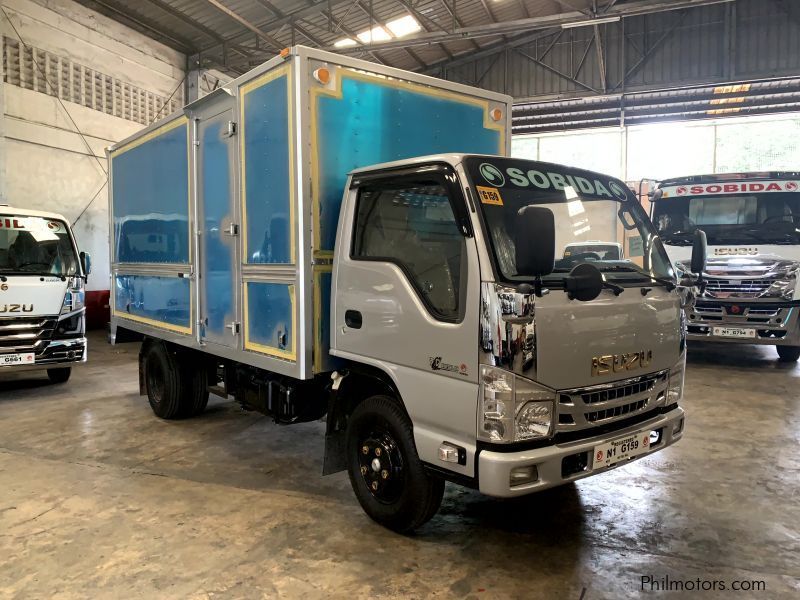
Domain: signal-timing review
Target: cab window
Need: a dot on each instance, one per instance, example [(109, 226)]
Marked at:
[(412, 224)]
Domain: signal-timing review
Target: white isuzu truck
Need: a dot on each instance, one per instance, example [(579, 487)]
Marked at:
[(752, 223), (42, 277), (306, 241)]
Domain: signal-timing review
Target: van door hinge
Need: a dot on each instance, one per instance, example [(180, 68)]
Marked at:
[(233, 229), (234, 327), (231, 131)]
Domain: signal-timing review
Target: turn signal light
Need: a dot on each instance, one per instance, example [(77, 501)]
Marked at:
[(322, 75)]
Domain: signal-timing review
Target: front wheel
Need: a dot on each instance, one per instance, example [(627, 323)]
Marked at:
[(385, 471), (788, 353), (59, 375)]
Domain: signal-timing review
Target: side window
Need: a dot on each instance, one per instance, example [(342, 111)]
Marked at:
[(412, 225)]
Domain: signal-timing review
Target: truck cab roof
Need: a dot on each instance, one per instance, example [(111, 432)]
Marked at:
[(713, 178), (452, 159), (26, 212)]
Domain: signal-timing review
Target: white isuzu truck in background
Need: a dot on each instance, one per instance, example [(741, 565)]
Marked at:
[(305, 241), (42, 278), (752, 223)]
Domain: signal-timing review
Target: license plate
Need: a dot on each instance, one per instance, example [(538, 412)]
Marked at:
[(735, 332), (621, 449), (26, 358)]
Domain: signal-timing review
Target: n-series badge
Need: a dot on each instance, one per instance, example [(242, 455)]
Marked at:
[(619, 363)]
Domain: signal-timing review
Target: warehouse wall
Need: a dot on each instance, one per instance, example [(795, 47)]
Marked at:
[(112, 81)]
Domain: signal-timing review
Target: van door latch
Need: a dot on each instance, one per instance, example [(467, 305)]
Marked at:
[(232, 229), (234, 327)]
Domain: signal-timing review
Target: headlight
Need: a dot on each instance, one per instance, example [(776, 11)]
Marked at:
[(75, 298), (513, 408), (675, 386), (784, 288)]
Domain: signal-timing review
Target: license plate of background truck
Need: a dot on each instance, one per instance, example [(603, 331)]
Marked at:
[(622, 448), (16, 359), (736, 332)]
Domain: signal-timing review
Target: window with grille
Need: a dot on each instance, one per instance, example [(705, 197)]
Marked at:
[(35, 69)]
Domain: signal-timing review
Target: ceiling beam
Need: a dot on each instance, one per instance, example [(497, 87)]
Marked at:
[(630, 9), (424, 23), (247, 24), (376, 21), (142, 25), (312, 9)]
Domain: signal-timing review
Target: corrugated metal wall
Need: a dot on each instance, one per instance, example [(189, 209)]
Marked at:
[(742, 40)]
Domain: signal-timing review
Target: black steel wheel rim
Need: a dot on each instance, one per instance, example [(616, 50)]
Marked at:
[(381, 465)]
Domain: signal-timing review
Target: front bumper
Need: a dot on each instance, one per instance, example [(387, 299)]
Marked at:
[(774, 323), (54, 354), (559, 464)]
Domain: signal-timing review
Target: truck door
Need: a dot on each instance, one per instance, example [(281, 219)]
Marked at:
[(218, 227), (407, 287)]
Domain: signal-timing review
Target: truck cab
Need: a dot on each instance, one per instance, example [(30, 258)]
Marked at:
[(42, 277), (751, 222), (515, 376)]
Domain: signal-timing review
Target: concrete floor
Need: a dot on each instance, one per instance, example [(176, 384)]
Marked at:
[(98, 498)]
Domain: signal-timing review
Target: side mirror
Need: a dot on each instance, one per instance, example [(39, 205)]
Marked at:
[(86, 263), (584, 282), (535, 241), (656, 195), (699, 252)]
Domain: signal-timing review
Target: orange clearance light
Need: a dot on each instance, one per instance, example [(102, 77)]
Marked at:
[(322, 75), (285, 52), (496, 114)]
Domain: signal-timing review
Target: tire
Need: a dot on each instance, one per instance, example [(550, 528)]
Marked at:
[(195, 390), (788, 353), (163, 382), (385, 471), (176, 385), (59, 375)]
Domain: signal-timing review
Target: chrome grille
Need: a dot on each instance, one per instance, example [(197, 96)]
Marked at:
[(617, 411), (25, 334), (602, 404), (737, 288)]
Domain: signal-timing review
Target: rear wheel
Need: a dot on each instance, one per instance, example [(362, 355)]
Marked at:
[(788, 353), (385, 471), (59, 375), (176, 386)]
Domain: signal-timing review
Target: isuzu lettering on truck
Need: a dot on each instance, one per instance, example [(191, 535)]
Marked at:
[(42, 276), (752, 221), (306, 241)]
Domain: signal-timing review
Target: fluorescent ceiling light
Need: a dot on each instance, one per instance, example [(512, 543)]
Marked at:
[(345, 43), (590, 22), (403, 26), (376, 34)]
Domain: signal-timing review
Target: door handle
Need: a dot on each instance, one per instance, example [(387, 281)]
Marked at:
[(353, 319)]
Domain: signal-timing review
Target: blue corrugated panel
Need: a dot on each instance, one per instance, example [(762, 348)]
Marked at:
[(161, 301), (151, 197), (266, 163), (376, 120)]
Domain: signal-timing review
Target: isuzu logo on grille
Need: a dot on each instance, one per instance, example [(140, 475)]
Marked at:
[(619, 363), (15, 308)]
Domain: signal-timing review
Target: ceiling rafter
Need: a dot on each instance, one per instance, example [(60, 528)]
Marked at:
[(374, 19)]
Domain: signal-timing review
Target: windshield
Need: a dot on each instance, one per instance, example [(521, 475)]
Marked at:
[(595, 216), (35, 246), (745, 218)]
